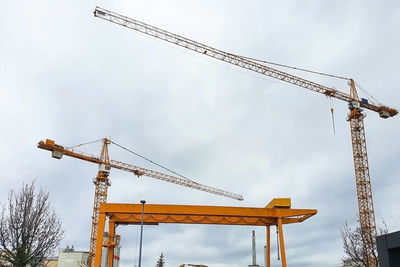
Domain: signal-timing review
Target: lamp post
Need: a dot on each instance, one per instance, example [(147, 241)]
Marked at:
[(141, 233)]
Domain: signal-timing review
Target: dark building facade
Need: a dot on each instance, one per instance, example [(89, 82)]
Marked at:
[(389, 249)]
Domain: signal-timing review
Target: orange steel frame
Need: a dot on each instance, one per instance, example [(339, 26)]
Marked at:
[(277, 212)]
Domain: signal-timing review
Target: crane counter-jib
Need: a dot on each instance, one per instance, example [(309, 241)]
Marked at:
[(58, 151)]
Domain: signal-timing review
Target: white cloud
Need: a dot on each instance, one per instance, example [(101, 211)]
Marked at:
[(69, 76)]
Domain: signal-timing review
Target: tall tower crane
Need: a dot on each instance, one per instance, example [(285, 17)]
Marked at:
[(355, 117), (102, 182)]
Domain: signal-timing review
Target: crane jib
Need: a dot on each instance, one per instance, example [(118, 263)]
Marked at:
[(234, 59), (58, 151)]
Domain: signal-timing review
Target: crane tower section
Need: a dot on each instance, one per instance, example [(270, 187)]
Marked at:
[(101, 183)]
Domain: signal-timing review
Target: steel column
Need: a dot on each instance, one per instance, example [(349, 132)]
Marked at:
[(268, 243), (282, 243)]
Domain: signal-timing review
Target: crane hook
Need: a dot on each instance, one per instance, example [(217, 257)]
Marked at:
[(333, 121)]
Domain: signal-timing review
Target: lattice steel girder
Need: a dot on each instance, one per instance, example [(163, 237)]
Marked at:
[(233, 59), (100, 196), (363, 183)]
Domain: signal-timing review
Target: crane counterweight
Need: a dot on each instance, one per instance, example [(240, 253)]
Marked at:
[(56, 154)]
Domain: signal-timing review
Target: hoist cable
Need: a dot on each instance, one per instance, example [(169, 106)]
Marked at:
[(277, 242), (333, 121), (332, 115)]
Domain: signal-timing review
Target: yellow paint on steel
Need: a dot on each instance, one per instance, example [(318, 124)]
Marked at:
[(191, 214), (111, 242), (118, 213), (99, 240), (268, 247), (279, 203), (282, 243)]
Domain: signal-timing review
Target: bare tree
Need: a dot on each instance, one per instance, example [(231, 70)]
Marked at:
[(356, 254), (30, 230)]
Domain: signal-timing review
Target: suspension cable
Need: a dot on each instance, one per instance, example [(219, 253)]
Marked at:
[(295, 68), (71, 147), (149, 160), (369, 96)]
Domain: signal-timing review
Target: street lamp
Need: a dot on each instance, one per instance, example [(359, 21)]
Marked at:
[(141, 233)]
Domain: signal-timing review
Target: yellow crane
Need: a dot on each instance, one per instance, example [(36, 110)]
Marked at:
[(102, 181), (355, 117)]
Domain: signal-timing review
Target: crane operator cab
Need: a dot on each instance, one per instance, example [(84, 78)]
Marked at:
[(355, 105), (104, 168)]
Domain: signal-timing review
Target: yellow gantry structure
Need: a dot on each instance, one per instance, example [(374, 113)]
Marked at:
[(277, 212)]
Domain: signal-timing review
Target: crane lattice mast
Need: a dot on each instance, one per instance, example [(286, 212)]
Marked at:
[(356, 106), (102, 182)]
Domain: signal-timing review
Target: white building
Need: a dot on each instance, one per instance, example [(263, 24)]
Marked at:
[(71, 258)]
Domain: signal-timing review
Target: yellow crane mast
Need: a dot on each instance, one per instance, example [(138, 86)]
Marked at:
[(102, 181), (356, 106)]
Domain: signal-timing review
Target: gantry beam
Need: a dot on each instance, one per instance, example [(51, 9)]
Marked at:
[(188, 214), (277, 212)]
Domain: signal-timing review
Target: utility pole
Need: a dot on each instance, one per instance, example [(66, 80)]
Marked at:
[(141, 233)]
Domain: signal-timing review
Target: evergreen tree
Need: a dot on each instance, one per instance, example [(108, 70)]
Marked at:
[(161, 261)]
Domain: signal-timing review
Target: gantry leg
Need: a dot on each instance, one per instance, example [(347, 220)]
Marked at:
[(282, 243), (111, 242), (99, 241), (268, 248)]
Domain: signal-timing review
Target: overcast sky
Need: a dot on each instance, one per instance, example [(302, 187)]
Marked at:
[(68, 76)]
